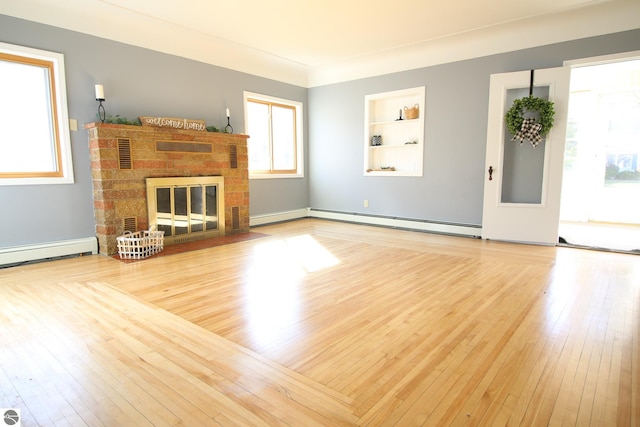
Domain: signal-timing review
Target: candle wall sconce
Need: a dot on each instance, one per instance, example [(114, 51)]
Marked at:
[(228, 128), (100, 98)]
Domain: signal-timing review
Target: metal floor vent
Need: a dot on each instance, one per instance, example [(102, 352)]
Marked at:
[(130, 224), (124, 153), (235, 218), (233, 156)]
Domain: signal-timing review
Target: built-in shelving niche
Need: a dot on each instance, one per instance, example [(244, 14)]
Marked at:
[(394, 144)]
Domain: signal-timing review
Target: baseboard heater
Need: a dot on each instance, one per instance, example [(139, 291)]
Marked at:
[(40, 251), (466, 230)]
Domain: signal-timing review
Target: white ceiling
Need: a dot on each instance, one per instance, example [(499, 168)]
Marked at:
[(316, 42)]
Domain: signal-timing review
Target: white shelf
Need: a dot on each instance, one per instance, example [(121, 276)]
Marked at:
[(382, 111), (377, 147), (395, 122), (391, 173)]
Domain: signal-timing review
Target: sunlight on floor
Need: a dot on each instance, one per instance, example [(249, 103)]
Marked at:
[(310, 254), (272, 302), (293, 257)]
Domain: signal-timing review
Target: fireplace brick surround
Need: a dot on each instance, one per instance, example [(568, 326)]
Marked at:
[(123, 156)]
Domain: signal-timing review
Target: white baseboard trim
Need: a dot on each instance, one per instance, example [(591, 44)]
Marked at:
[(18, 254), (408, 224), (278, 217)]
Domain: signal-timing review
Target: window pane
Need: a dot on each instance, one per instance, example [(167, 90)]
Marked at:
[(163, 207), (258, 128), (212, 207), (25, 104), (181, 220), (283, 138), (35, 144), (275, 132), (197, 217), (522, 165)]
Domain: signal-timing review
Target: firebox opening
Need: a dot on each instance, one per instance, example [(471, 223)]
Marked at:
[(186, 208)]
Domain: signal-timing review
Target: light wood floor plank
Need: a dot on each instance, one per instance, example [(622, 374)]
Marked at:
[(325, 323)]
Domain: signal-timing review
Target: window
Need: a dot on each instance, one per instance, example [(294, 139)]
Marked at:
[(34, 126), (274, 127)]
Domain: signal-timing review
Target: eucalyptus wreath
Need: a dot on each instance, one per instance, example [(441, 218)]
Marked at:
[(514, 116)]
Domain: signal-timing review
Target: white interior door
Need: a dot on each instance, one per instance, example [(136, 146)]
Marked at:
[(522, 194)]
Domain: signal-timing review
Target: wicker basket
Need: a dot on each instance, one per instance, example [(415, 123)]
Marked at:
[(412, 112), (140, 244)]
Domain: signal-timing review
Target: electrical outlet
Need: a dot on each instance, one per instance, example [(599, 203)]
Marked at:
[(366, 203)]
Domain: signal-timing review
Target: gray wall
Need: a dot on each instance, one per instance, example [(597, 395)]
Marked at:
[(452, 187), (137, 82)]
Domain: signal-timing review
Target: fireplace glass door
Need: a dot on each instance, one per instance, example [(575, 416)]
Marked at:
[(186, 208)]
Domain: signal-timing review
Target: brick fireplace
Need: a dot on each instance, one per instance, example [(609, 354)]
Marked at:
[(123, 157)]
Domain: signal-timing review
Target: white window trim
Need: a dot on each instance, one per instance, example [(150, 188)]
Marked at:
[(299, 132), (63, 116)]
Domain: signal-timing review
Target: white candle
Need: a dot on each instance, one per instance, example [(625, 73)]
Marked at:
[(99, 92), (227, 112)]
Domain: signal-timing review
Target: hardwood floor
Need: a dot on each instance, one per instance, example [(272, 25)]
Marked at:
[(326, 323)]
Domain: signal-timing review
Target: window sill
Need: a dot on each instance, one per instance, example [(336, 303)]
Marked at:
[(275, 175)]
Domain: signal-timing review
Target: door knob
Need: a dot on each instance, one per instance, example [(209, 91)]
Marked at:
[(490, 173)]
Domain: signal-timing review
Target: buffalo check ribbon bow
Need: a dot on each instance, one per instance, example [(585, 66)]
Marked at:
[(529, 130)]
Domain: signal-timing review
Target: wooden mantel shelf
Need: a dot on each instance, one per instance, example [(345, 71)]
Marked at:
[(100, 125)]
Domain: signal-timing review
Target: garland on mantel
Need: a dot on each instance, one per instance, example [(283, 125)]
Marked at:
[(117, 120), (528, 128)]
